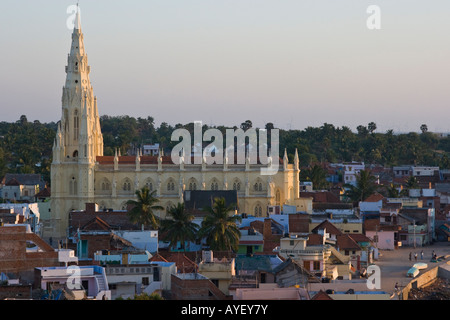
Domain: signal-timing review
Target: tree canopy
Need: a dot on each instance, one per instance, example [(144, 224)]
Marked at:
[(26, 147)]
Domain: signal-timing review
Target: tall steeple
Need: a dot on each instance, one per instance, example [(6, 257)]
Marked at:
[(80, 120), (79, 139)]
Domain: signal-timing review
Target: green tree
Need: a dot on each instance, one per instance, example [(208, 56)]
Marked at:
[(365, 186), (142, 211), (412, 183), (317, 175), (219, 227), (180, 228), (424, 128), (372, 126)]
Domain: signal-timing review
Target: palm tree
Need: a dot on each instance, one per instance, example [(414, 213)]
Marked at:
[(365, 186), (181, 227), (143, 208), (412, 183), (393, 192), (219, 227)]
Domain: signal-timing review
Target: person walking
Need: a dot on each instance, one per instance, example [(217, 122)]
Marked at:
[(415, 256), (410, 256), (421, 255)]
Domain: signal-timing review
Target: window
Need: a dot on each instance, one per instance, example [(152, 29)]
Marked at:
[(145, 281), (127, 186), (76, 125), (316, 265), (258, 210), (73, 186)]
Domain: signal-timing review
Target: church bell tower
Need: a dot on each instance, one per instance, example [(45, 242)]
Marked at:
[(78, 139)]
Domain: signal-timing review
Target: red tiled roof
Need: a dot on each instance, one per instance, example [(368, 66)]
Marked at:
[(314, 239), (330, 228), (45, 193), (321, 196), (183, 263), (359, 237), (321, 295), (374, 198), (13, 182), (345, 242), (158, 257)]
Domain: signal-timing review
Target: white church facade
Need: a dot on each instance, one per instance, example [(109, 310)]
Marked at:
[(81, 174)]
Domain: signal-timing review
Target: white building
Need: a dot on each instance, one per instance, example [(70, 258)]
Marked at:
[(127, 280), (90, 279)]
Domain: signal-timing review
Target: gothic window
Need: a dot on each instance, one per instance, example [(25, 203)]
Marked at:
[(171, 185), (126, 185), (278, 198), (73, 187), (76, 125), (214, 185), (105, 185), (258, 211), (192, 185), (149, 185), (237, 186)]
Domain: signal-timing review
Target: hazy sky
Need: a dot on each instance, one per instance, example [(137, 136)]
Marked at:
[(294, 63)]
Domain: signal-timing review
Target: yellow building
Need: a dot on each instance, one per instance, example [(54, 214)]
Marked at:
[(81, 174)]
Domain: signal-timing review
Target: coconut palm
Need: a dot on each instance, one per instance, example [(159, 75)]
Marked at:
[(143, 209), (219, 227), (365, 186), (180, 228)]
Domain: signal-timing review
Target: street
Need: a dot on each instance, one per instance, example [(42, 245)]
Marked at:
[(395, 263)]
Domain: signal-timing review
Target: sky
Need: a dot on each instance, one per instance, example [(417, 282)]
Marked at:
[(295, 63)]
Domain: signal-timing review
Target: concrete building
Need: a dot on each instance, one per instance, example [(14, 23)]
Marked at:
[(127, 280), (219, 271), (90, 279)]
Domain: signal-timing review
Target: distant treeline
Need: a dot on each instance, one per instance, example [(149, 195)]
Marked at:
[(26, 147)]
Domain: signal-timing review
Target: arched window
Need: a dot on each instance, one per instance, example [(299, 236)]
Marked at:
[(171, 185), (278, 198), (106, 185), (149, 185), (76, 125), (214, 185), (73, 186), (258, 210), (237, 186), (126, 185)]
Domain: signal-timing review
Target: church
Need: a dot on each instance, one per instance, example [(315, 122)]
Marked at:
[(81, 174)]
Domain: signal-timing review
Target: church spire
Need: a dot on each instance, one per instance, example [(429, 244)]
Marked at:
[(77, 25), (79, 105)]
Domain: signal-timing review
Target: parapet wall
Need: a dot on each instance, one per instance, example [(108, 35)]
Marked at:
[(428, 277)]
